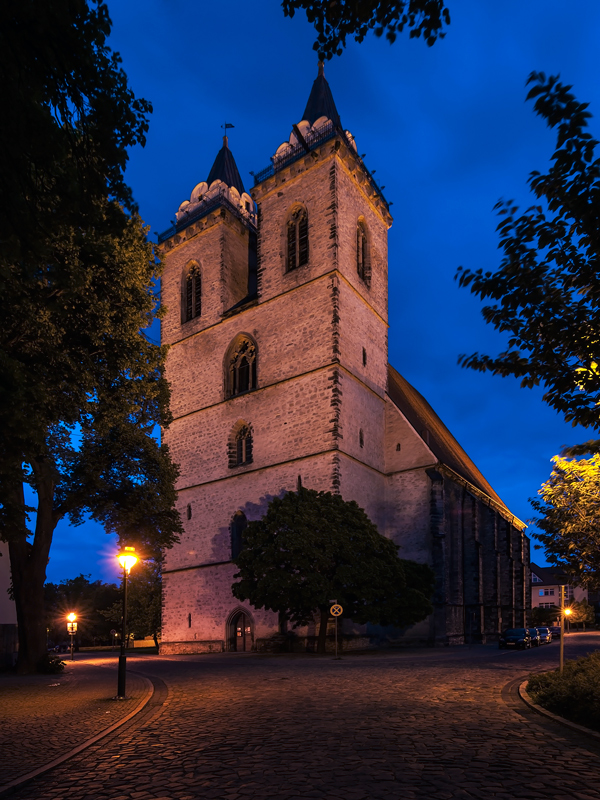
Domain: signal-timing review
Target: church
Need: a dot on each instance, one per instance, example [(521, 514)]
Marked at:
[(277, 321)]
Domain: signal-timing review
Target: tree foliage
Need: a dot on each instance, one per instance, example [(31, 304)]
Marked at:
[(144, 601), (582, 613), (336, 20), (88, 599), (546, 292), (312, 547), (569, 518), (81, 387)]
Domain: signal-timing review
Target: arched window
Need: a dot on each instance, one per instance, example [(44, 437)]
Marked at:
[(240, 445), (239, 524), (240, 366), (297, 239), (192, 294), (363, 263)]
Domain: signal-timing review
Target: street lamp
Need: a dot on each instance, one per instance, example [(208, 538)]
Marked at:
[(564, 613), (71, 628), (127, 558)]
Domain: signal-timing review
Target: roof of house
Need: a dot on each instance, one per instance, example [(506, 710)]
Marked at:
[(430, 427), (552, 576), (320, 101), (225, 169)]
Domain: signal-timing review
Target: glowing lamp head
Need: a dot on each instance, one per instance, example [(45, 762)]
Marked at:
[(71, 617), (568, 611), (127, 558)]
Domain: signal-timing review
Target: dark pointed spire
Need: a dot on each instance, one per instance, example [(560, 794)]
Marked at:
[(225, 169), (321, 102)]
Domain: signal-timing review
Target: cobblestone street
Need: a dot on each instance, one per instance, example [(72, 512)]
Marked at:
[(436, 724)]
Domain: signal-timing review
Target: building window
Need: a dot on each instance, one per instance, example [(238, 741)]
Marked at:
[(240, 445), (192, 294), (297, 239), (189, 511), (548, 592), (241, 366), (535, 579), (239, 524), (398, 447), (189, 620), (364, 357), (361, 438), (363, 262)]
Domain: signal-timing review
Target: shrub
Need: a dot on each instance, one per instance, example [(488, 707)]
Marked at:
[(574, 695), (50, 665)]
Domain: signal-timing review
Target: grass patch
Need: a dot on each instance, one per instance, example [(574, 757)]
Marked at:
[(574, 695)]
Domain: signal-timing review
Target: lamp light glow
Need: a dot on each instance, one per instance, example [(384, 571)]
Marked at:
[(71, 617), (127, 558), (568, 611)]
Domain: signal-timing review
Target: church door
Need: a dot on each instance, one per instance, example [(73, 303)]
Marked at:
[(242, 633)]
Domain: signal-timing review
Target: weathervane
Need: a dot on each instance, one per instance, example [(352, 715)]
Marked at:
[(225, 126)]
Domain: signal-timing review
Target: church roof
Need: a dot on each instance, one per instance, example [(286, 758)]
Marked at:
[(320, 101), (443, 445), (225, 169)]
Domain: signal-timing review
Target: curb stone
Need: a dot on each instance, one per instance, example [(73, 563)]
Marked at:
[(526, 698), (147, 695)]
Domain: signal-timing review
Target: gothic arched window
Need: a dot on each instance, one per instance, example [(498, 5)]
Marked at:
[(240, 445), (192, 294), (240, 366), (239, 524), (297, 239), (363, 263)]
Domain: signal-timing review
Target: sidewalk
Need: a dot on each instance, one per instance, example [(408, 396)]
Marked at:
[(44, 717)]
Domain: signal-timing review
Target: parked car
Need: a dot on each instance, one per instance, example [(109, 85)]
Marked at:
[(515, 637), (556, 631), (545, 635), (536, 639)]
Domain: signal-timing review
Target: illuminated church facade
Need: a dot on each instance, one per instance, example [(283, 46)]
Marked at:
[(277, 325)]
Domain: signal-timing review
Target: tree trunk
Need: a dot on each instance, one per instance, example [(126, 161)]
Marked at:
[(323, 630), (28, 563)]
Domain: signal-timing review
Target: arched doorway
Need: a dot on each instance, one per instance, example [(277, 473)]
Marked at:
[(242, 633)]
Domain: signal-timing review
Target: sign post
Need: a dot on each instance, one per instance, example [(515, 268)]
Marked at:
[(336, 611)]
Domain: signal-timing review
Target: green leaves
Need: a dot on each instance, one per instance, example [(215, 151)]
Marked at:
[(313, 546), (334, 21), (546, 292), (569, 520)]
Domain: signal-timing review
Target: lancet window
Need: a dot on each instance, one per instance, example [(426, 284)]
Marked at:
[(239, 524), (240, 445), (297, 239), (363, 264), (192, 293), (241, 366)]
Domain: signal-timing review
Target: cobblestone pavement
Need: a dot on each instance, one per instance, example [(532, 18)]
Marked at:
[(44, 716), (436, 724)]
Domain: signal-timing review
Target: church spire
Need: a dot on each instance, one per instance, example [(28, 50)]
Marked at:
[(225, 169), (320, 101)]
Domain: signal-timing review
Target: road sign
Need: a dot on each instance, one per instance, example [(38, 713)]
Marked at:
[(336, 610), (113, 632)]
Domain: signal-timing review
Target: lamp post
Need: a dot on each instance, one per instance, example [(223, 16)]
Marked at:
[(127, 558), (564, 613), (72, 629)]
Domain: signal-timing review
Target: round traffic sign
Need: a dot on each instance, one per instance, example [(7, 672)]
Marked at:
[(336, 610)]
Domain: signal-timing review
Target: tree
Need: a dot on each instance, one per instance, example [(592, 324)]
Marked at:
[(581, 613), (144, 601), (336, 20), (546, 292), (543, 617), (87, 599), (81, 387), (569, 520), (311, 547)]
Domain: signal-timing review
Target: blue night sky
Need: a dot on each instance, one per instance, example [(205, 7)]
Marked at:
[(447, 131)]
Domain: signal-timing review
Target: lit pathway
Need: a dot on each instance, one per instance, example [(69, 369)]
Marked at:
[(436, 724)]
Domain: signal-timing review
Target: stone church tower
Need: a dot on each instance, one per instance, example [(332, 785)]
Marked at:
[(277, 323)]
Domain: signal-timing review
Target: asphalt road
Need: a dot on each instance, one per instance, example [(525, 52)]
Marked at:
[(436, 724)]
